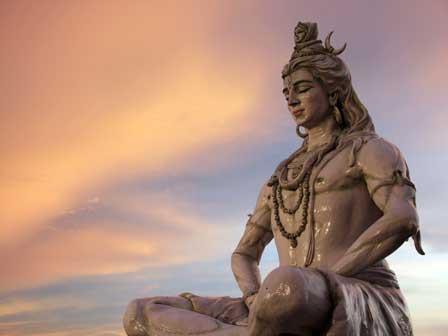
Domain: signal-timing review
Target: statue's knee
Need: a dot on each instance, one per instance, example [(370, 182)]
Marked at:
[(281, 295), (132, 319), (292, 294)]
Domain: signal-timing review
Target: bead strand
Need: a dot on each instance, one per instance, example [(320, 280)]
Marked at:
[(277, 200), (293, 210)]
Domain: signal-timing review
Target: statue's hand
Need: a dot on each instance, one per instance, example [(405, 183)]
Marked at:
[(243, 323), (250, 300)]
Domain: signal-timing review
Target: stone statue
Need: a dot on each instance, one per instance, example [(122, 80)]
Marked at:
[(336, 207)]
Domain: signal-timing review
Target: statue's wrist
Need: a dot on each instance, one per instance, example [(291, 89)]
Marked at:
[(249, 297)]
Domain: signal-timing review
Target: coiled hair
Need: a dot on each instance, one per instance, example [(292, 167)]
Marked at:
[(326, 67)]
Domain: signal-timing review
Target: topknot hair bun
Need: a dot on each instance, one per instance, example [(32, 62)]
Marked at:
[(307, 44), (305, 31)]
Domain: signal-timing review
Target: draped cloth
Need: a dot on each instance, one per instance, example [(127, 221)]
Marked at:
[(368, 304)]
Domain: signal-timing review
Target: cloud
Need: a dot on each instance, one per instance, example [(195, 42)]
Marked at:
[(14, 306), (431, 330), (423, 280), (133, 102), (88, 303), (125, 234), (38, 329)]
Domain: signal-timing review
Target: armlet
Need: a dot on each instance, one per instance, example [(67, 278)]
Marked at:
[(244, 254), (396, 178)]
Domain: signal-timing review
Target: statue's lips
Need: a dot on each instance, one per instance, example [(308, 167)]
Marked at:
[(298, 112)]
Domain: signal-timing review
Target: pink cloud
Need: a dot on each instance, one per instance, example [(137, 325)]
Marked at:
[(103, 247)]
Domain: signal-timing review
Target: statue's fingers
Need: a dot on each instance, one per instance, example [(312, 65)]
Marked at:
[(243, 323)]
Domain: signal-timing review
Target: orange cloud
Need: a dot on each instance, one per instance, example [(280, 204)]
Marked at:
[(108, 93), (14, 329), (25, 305), (115, 247)]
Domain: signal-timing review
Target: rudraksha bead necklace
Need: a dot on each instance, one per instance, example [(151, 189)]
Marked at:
[(301, 184), (303, 199)]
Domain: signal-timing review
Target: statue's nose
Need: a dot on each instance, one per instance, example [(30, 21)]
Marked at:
[(293, 100)]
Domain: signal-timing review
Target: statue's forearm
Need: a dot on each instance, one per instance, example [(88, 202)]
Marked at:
[(376, 243), (246, 272)]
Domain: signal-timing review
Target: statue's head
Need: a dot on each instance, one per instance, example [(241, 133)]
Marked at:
[(319, 80)]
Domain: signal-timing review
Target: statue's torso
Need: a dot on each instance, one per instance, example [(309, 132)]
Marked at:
[(343, 210)]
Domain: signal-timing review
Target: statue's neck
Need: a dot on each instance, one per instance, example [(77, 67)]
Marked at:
[(322, 133)]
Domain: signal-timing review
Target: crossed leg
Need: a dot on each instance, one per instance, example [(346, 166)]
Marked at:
[(185, 315), (136, 321), (291, 301)]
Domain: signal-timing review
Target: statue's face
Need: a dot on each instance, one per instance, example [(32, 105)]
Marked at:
[(308, 101)]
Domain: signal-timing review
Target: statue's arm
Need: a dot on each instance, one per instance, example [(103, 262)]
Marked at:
[(247, 255), (386, 175)]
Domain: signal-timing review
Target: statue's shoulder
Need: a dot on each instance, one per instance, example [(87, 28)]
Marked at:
[(378, 156), (264, 196)]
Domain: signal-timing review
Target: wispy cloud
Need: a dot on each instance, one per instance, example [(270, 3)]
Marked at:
[(125, 235), (100, 114)]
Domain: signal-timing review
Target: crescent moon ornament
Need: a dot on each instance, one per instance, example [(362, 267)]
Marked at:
[(330, 48)]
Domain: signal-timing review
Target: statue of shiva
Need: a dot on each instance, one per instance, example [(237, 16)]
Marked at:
[(336, 208)]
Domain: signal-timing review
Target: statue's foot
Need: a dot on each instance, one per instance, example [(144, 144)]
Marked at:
[(132, 320), (169, 316)]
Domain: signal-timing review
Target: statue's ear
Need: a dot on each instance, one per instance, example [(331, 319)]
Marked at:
[(333, 98)]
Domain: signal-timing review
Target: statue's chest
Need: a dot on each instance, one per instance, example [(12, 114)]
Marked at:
[(334, 172)]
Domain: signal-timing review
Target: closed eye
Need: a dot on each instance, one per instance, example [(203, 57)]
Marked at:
[(305, 90), (302, 89)]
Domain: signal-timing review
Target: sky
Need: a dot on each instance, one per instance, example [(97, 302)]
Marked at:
[(135, 136)]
